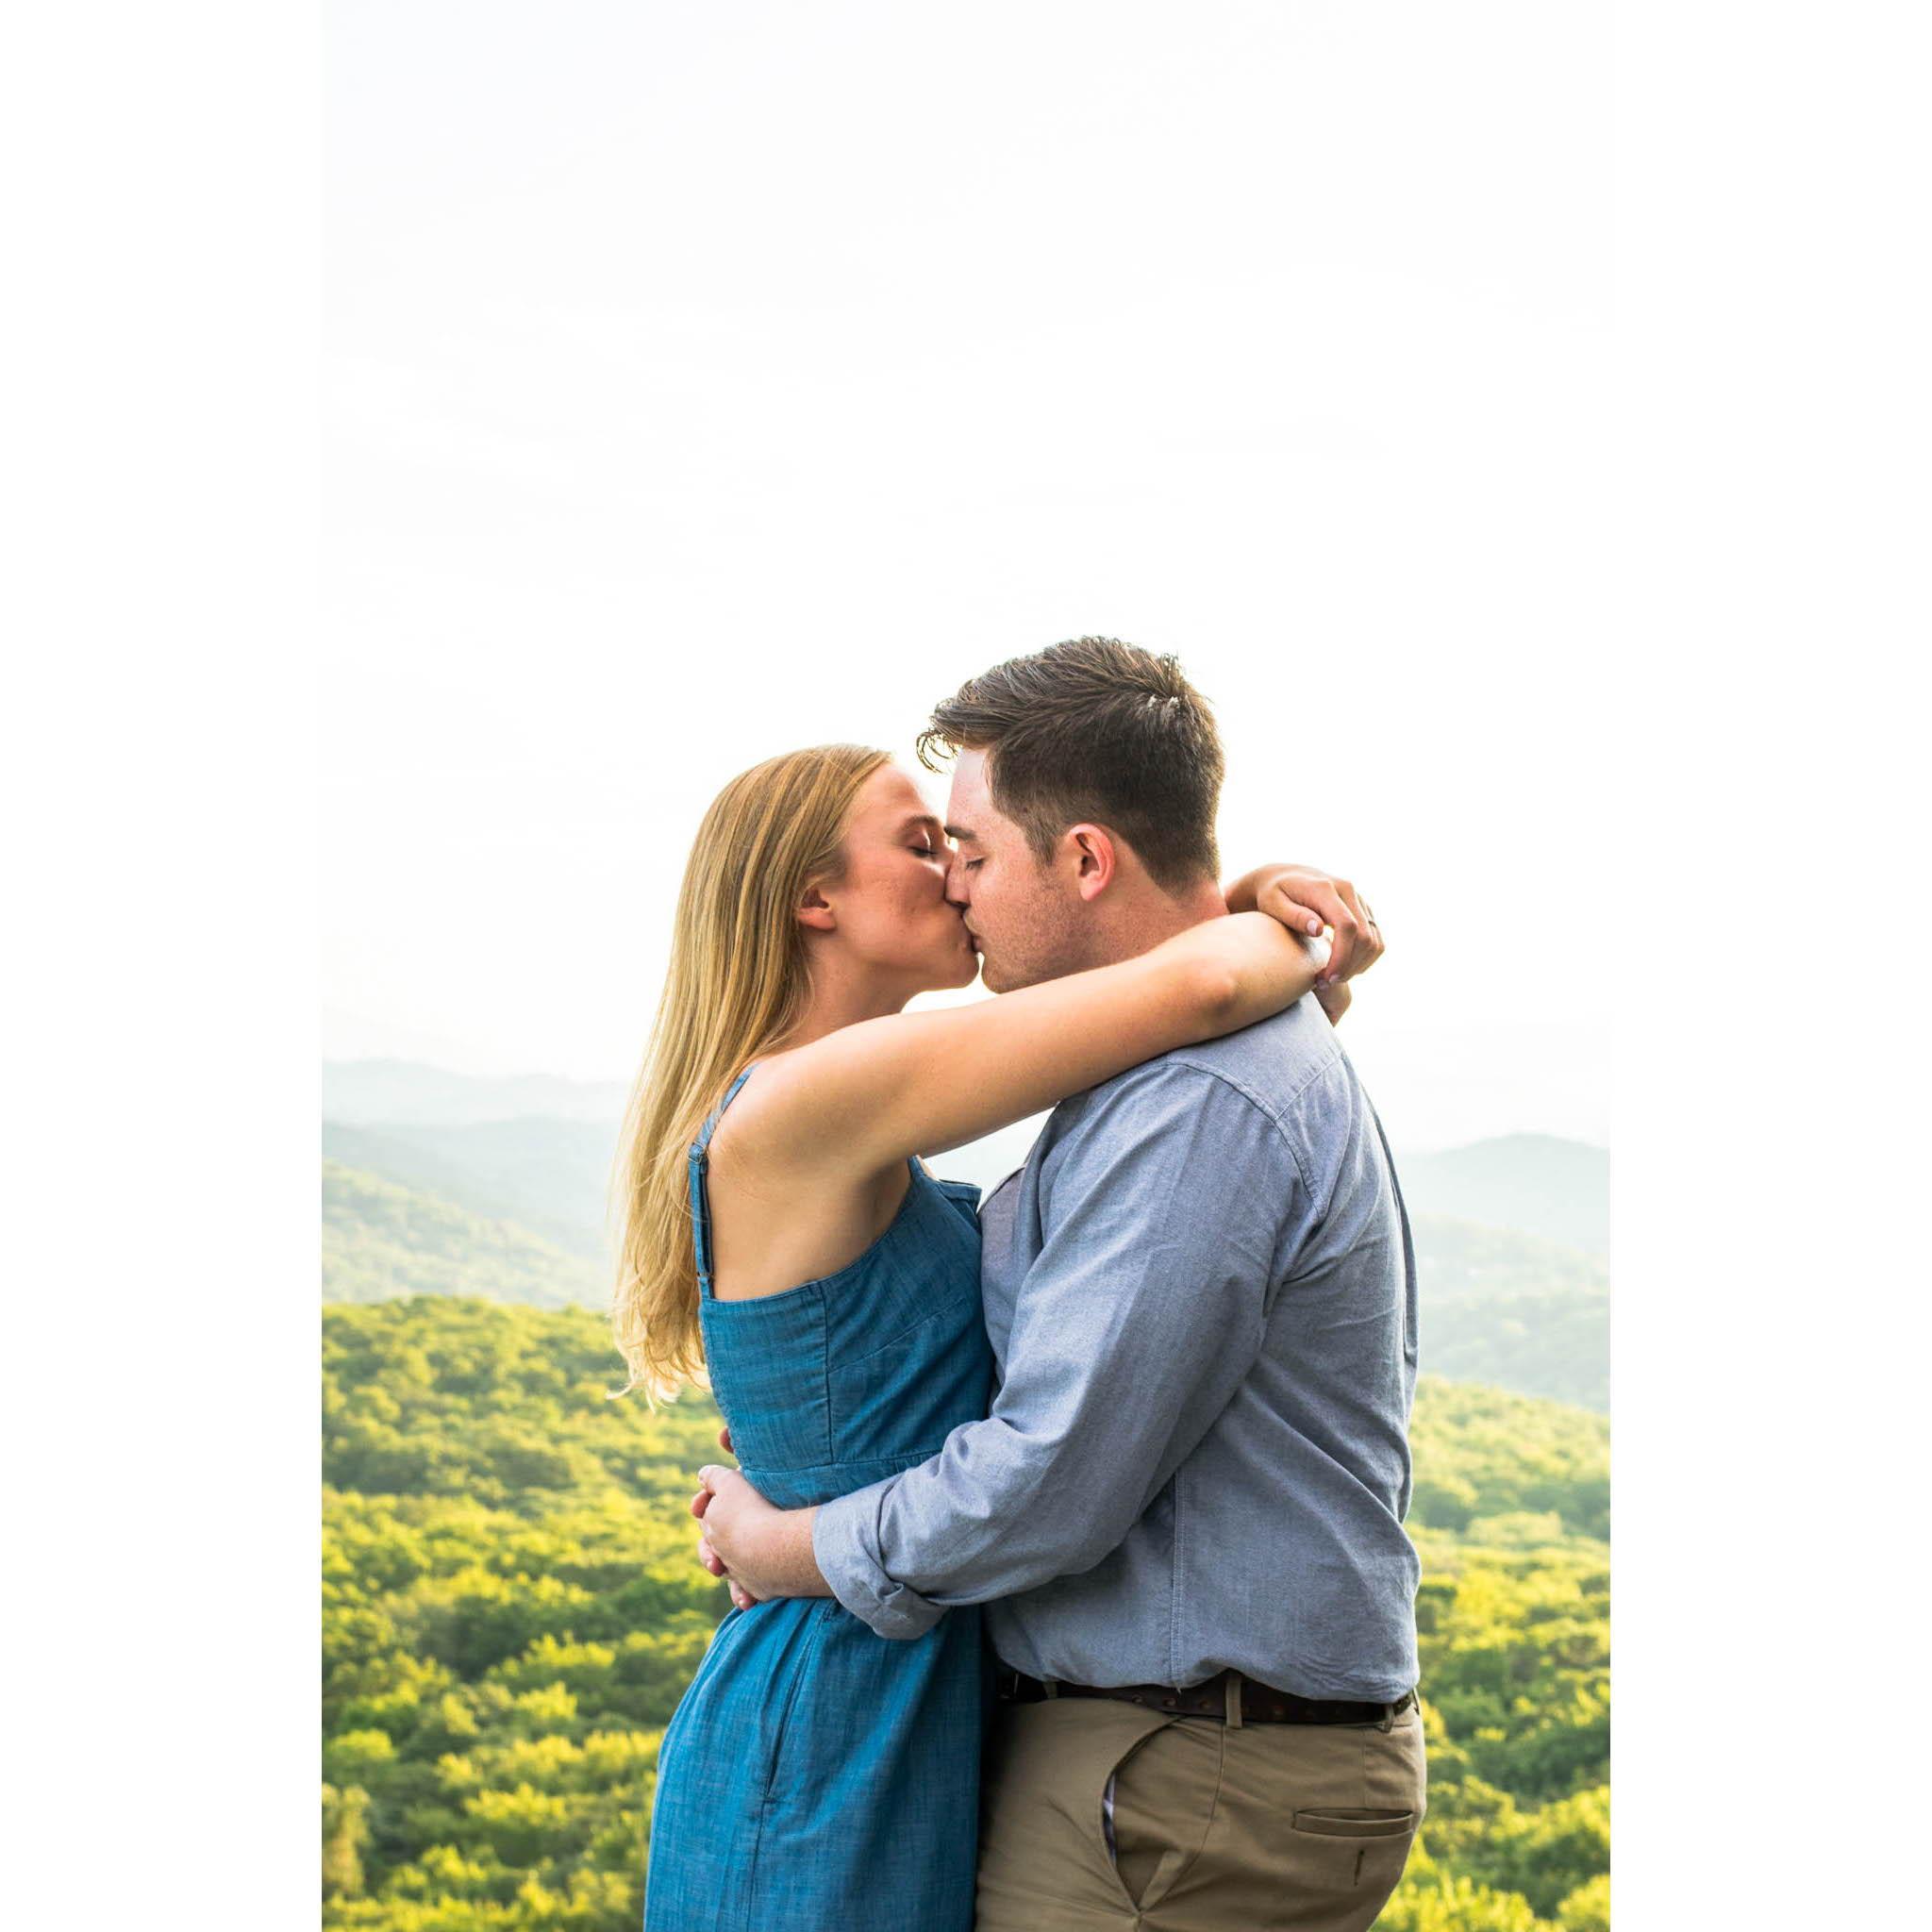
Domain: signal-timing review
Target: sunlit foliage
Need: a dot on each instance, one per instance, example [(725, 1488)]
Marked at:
[(512, 1609)]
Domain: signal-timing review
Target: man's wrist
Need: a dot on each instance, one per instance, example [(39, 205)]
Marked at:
[(846, 1550), (794, 1563)]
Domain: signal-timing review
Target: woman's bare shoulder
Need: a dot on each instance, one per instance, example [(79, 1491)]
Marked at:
[(762, 1116)]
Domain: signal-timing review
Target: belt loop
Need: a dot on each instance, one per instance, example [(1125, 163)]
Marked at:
[(1389, 1711), (1051, 1686), (1234, 1700)]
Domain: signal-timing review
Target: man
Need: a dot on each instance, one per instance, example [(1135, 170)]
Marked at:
[(1184, 1513)]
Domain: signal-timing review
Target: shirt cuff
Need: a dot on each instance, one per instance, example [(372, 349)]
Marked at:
[(845, 1540)]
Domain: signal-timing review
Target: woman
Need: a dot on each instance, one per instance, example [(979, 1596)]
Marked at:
[(780, 1232)]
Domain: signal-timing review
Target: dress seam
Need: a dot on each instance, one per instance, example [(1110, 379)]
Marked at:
[(895, 1339), (795, 1692)]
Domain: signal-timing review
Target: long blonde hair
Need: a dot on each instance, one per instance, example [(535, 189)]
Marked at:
[(736, 984)]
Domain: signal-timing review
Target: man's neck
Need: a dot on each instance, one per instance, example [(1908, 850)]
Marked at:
[(1145, 916)]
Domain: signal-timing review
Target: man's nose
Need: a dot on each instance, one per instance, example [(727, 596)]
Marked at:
[(957, 876)]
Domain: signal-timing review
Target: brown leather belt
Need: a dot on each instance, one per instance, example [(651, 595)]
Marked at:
[(1258, 1704)]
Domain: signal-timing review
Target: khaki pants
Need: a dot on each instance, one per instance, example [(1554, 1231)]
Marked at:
[(1217, 1829)]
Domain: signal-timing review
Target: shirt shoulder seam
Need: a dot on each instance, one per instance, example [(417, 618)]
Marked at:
[(1268, 1110)]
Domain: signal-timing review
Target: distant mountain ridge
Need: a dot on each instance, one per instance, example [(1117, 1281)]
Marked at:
[(1556, 1189), (382, 1242), (547, 1173), (1512, 1235), (1541, 1184)]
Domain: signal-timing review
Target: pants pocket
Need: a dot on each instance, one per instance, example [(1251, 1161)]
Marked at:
[(1043, 1861), (1161, 1804), (1353, 1852), (1356, 1821), (1351, 1802)]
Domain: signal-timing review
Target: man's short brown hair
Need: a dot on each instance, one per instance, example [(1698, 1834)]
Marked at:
[(1095, 730)]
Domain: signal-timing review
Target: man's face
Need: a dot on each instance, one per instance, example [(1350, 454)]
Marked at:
[(1025, 917)]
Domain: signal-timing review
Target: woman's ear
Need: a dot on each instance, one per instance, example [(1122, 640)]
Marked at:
[(814, 912)]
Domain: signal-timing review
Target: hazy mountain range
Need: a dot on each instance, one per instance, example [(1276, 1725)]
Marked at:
[(1557, 1190), (406, 1094), (381, 1241), (550, 1175), (441, 1182)]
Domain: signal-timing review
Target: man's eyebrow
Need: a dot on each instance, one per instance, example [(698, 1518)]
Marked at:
[(960, 832)]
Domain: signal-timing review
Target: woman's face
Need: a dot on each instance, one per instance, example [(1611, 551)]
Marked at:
[(894, 917)]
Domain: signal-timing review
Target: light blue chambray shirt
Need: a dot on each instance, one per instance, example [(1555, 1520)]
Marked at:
[(1201, 1295)]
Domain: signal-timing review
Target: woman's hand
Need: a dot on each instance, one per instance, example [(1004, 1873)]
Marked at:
[(707, 1555), (763, 1550), (1304, 899)]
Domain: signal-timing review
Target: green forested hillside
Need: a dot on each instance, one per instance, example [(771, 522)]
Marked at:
[(511, 1610), (548, 1175), (1513, 1310), (1458, 1259), (380, 1240), (1555, 1343)]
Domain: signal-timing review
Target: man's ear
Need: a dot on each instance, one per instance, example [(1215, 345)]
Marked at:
[(1094, 856), (814, 912)]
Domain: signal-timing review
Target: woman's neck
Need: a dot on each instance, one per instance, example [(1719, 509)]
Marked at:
[(834, 1004)]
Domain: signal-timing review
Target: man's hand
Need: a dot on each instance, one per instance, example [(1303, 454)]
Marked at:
[(1305, 899), (766, 1552)]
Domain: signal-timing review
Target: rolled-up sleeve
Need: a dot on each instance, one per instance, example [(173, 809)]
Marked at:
[(1131, 1331)]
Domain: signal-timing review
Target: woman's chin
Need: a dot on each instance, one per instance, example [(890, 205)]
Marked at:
[(962, 973)]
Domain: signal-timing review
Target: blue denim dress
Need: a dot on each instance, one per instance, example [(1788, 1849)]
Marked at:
[(817, 1777)]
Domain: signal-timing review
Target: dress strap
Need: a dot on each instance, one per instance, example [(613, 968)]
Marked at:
[(700, 1197)]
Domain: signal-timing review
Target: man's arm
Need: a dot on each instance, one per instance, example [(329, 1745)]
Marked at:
[(1143, 1312)]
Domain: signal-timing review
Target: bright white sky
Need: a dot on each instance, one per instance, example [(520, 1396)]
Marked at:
[(705, 382)]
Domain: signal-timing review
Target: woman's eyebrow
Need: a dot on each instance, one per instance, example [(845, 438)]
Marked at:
[(920, 821)]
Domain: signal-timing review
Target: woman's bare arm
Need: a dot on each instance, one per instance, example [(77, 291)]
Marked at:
[(918, 1083)]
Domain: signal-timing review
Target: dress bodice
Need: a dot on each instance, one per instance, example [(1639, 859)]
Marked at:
[(850, 1378)]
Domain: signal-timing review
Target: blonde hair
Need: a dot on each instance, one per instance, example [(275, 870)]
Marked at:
[(736, 985)]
